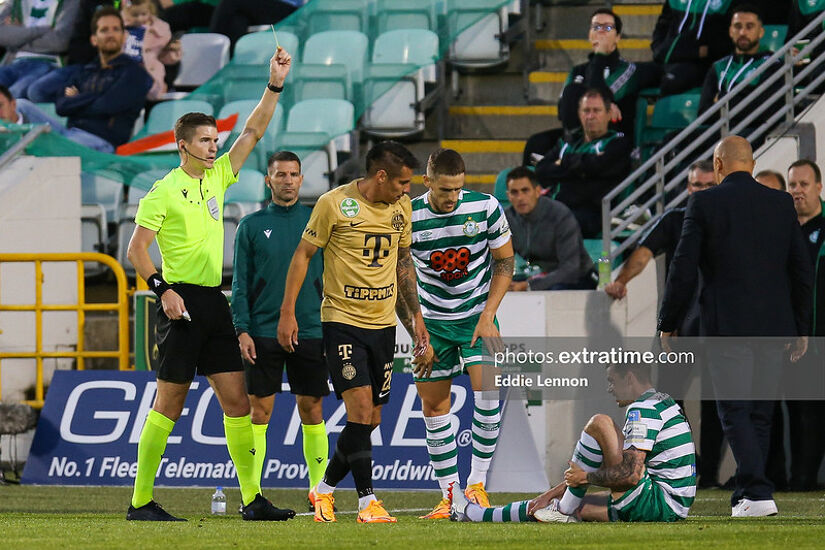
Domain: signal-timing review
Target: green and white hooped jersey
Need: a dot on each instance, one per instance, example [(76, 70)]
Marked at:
[(452, 253), (656, 424)]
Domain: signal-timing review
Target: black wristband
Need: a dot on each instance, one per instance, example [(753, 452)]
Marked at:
[(276, 89), (157, 284)]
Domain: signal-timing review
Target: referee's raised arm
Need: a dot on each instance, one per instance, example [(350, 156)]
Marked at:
[(257, 122)]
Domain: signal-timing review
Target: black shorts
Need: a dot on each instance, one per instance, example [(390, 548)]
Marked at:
[(305, 368), (205, 345), (360, 357)]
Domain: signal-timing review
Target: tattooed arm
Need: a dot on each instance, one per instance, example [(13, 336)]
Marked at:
[(408, 293), (619, 477), (503, 262)]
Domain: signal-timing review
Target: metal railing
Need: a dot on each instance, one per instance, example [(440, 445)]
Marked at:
[(121, 306), (687, 144)]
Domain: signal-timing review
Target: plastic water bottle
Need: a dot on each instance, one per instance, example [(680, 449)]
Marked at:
[(604, 269), (219, 502)]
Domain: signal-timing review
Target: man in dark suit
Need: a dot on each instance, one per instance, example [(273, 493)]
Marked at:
[(757, 282)]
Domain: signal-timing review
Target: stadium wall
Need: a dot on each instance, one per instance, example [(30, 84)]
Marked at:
[(39, 212)]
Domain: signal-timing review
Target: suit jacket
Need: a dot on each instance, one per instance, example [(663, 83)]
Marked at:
[(756, 271)]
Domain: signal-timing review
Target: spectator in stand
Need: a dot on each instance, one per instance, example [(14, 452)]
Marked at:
[(772, 179), (34, 34), (80, 49), (688, 36), (587, 165), (234, 17), (806, 417), (546, 234), (149, 41), (745, 31), (802, 13), (183, 15), (606, 70), (103, 98)]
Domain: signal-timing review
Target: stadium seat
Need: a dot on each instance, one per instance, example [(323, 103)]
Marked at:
[(248, 193), (51, 110), (340, 47), (316, 130), (257, 48), (478, 27), (671, 113), (410, 14), (500, 188), (394, 85), (141, 183), (774, 37), (341, 15), (162, 117), (125, 228), (316, 81), (203, 54), (244, 108), (95, 189), (94, 235), (594, 248)]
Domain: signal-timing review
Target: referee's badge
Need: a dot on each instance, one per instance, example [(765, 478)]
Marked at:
[(348, 372), (349, 207), (212, 204), (470, 228)]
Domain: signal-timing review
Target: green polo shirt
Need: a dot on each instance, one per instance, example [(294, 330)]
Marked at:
[(187, 214)]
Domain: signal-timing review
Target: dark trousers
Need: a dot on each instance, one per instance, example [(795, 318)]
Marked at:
[(182, 17), (233, 17), (807, 443), (747, 425), (740, 370), (711, 439), (681, 77)]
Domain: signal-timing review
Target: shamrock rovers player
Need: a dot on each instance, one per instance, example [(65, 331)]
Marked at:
[(649, 466), (464, 261)]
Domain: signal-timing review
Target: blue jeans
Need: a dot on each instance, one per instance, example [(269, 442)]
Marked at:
[(22, 72), (33, 115), (51, 85)]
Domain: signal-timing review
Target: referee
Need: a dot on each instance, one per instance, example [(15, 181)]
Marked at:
[(184, 210), (263, 242)]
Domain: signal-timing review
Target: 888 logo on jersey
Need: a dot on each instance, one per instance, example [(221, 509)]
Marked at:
[(452, 263)]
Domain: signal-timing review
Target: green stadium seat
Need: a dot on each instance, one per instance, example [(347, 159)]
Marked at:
[(339, 47), (244, 108), (250, 187), (162, 117), (410, 14), (51, 110), (774, 38), (341, 15), (316, 130), (316, 81), (478, 28), (257, 48), (394, 86), (671, 113)]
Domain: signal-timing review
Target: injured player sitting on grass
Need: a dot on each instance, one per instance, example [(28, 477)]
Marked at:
[(649, 466)]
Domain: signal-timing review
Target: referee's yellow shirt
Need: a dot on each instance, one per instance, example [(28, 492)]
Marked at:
[(360, 241), (187, 214)]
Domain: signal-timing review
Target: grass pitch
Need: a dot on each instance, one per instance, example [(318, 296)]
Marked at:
[(94, 517)]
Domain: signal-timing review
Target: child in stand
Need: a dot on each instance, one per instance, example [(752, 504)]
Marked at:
[(150, 41)]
